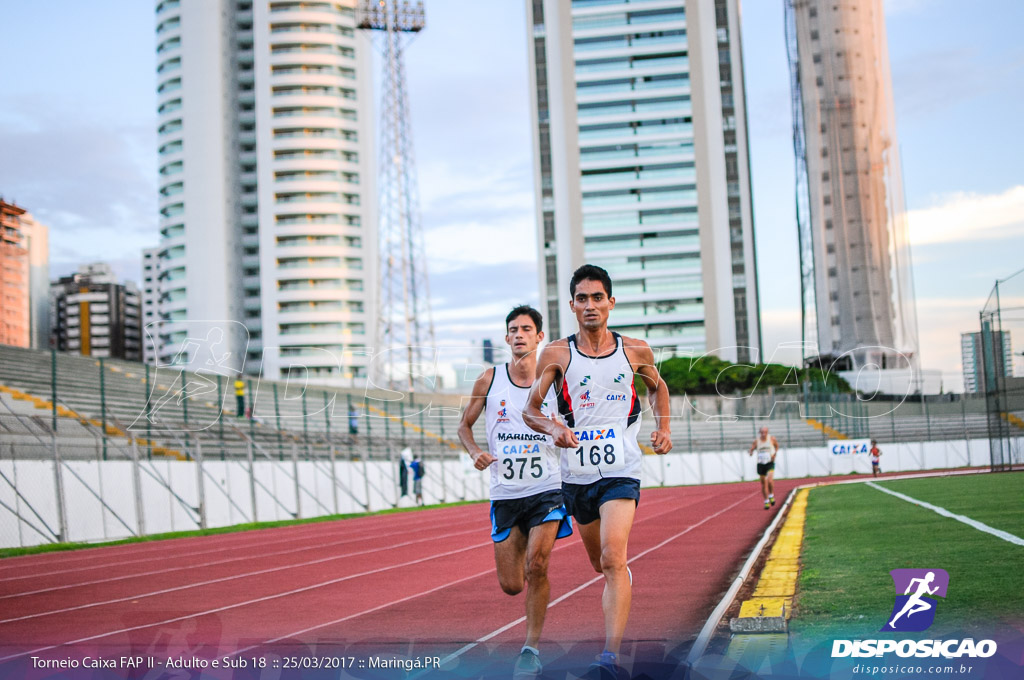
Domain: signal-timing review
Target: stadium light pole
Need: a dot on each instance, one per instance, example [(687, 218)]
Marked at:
[(405, 322)]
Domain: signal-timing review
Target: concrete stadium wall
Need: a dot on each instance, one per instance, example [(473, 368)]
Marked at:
[(228, 499)]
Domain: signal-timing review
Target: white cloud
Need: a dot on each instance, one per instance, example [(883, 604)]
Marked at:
[(969, 217), (466, 245)]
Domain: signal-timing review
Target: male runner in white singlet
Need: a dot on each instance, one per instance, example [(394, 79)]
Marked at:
[(527, 511), (767, 448), (592, 372)]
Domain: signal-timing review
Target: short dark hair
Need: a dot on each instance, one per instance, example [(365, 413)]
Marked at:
[(529, 311), (590, 272)]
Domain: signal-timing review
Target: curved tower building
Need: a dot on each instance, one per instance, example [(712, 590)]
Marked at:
[(267, 191)]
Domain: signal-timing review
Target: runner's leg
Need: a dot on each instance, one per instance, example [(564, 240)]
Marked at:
[(591, 535), (538, 552), (510, 558), (616, 522)]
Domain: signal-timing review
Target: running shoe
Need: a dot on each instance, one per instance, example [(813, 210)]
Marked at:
[(767, 505), (527, 666), (772, 499), (605, 668)]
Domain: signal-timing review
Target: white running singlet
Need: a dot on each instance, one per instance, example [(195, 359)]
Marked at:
[(599, 404), (765, 449), (527, 461)]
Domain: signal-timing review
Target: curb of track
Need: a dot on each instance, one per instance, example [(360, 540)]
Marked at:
[(708, 630)]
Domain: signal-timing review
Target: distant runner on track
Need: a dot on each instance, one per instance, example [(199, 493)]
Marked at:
[(767, 447), (593, 371), (527, 510)]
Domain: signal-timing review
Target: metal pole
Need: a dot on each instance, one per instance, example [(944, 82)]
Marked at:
[(103, 409), (140, 521), (689, 429), (220, 414), (789, 436), (334, 479), (892, 422), (927, 416), (963, 412), (305, 425), (252, 411), (53, 387), (327, 417), (200, 488), (252, 479), (184, 404), (366, 481), (149, 420), (277, 416), (295, 471), (58, 483)]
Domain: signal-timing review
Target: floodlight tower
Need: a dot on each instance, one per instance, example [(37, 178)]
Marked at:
[(405, 320)]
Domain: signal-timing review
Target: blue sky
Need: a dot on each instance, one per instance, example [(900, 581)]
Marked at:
[(77, 129)]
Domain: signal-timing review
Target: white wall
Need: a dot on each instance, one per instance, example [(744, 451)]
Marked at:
[(455, 480)]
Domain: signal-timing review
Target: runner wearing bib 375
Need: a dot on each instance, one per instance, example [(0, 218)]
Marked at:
[(527, 510), (767, 448), (593, 372)]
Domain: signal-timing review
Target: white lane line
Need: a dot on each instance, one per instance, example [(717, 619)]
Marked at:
[(368, 611), (261, 556), (998, 533), (246, 602), (173, 549), (224, 579), (596, 579), (562, 544)]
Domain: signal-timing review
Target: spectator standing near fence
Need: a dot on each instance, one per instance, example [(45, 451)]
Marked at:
[(417, 478), (239, 399)]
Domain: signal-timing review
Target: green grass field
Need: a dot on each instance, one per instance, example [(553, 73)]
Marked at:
[(855, 534)]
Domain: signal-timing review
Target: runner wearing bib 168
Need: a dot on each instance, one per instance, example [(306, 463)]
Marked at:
[(527, 511), (593, 373)]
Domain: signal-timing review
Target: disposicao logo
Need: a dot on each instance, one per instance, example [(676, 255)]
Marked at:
[(914, 611)]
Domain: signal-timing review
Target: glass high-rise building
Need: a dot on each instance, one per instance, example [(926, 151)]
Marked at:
[(267, 183), (858, 296), (641, 167)]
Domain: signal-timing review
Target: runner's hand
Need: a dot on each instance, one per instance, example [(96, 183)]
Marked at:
[(661, 441), (482, 460), (566, 438)]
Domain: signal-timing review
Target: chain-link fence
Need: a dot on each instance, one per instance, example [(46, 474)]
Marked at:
[(999, 370)]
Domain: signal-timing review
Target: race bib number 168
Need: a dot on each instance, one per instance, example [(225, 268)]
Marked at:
[(592, 455)]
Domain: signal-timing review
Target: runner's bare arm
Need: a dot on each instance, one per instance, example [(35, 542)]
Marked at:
[(641, 357), (551, 365), (477, 400), (752, 447)]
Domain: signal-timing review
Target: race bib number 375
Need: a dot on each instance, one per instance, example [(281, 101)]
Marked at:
[(599, 451)]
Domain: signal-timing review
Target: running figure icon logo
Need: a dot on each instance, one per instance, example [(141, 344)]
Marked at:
[(914, 610)]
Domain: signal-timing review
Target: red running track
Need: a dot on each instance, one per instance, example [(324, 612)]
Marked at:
[(418, 579)]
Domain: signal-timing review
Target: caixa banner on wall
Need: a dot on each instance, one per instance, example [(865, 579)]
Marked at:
[(849, 447)]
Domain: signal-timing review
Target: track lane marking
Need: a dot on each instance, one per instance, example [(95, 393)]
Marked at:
[(575, 540), (209, 564), (563, 544), (224, 579), (239, 604), (596, 579), (171, 547), (980, 526)]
